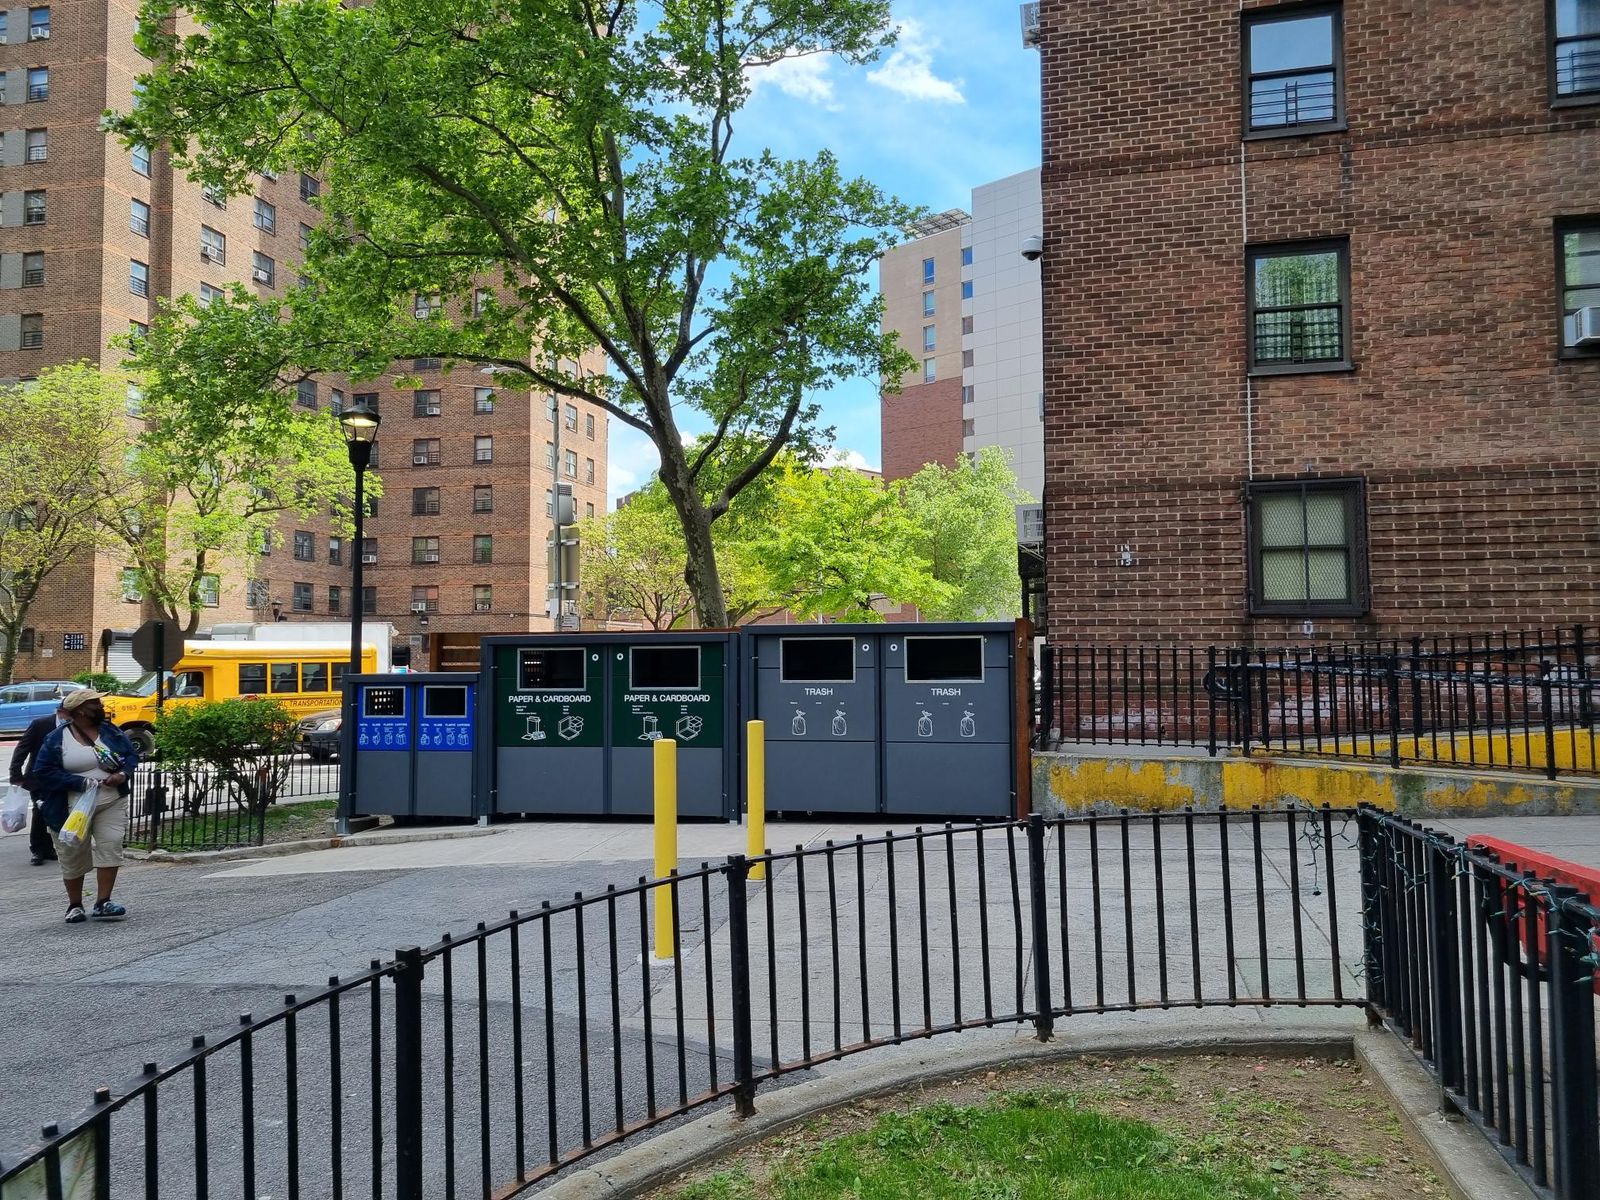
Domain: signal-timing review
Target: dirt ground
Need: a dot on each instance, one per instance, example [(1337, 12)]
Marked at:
[(1318, 1126)]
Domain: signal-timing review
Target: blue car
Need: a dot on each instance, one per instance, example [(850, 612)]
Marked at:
[(22, 702)]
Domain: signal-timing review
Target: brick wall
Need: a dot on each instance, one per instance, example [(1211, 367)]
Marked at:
[(1480, 448), (921, 425)]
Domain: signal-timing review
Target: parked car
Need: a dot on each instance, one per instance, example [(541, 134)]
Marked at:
[(22, 702), (319, 735)]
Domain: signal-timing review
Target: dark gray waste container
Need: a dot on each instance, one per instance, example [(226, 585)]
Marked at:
[(816, 688), (576, 717), (414, 744), (949, 721)]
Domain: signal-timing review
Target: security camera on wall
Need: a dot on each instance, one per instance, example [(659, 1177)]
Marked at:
[(1033, 247)]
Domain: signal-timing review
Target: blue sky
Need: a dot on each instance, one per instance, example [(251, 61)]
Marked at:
[(954, 104)]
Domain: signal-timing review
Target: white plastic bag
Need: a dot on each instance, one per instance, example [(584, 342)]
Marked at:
[(14, 809), (75, 829)]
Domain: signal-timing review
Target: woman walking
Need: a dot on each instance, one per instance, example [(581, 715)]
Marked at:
[(86, 754)]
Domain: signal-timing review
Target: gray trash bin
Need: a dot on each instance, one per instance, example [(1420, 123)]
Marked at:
[(414, 744), (549, 725)]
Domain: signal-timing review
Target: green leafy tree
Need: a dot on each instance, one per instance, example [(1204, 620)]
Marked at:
[(965, 518), (60, 432), (239, 748), (578, 159), (100, 681), (222, 453), (632, 563)]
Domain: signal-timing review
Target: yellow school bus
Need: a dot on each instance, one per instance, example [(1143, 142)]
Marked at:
[(305, 677)]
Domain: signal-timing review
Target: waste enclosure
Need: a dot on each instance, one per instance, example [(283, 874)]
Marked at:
[(414, 744), (576, 717), (895, 719)]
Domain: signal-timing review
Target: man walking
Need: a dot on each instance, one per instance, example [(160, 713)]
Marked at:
[(23, 758)]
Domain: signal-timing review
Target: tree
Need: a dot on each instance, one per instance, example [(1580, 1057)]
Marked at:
[(241, 748), (60, 432), (577, 156), (966, 522), (224, 450), (632, 562)]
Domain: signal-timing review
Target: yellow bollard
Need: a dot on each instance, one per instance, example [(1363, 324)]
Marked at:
[(756, 803), (666, 809)]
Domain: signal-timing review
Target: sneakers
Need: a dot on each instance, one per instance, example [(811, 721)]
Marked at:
[(76, 915), (108, 910)]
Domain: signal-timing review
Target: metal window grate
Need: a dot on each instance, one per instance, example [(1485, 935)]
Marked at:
[(33, 277), (32, 339), (38, 153), (38, 91)]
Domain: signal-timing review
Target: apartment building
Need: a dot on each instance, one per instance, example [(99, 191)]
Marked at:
[(1321, 297), (93, 234)]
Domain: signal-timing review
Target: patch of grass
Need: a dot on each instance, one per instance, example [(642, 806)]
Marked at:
[(282, 823), (1035, 1145)]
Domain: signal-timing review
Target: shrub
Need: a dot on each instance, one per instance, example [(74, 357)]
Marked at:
[(100, 681), (239, 746)]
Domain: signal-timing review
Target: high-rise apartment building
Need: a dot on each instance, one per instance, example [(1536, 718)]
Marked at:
[(1321, 317), (93, 234)]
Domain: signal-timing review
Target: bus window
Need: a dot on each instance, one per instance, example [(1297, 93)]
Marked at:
[(340, 669), (285, 677), (313, 677), (252, 679), (187, 685)]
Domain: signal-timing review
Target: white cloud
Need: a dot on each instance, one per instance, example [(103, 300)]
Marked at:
[(631, 459), (909, 69), (805, 79), (841, 456)]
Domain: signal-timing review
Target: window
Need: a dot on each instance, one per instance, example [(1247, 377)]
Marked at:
[(39, 23), (549, 503), (370, 399), (1292, 70), (313, 677), (570, 463), (262, 269), (138, 330), (135, 404), (482, 597), (1299, 318), (138, 278), (480, 301), (966, 324), (369, 603), (286, 676), (32, 331), (336, 402), (305, 237), (588, 426), (425, 502), (930, 339), (255, 593), (214, 196), (210, 591), (335, 599), (265, 217), (33, 270), (305, 393), (424, 550), (550, 455), (483, 449), (966, 393), (426, 403), (37, 142), (310, 187), (213, 246), (482, 400), (483, 498), (570, 417), (372, 501), (966, 358), (426, 364), (1575, 50), (966, 256), (369, 549), (335, 551), (968, 428), (966, 289), (927, 304), (141, 160), (425, 599), (588, 509), (34, 209), (252, 679), (927, 270), (131, 591), (302, 603), (1307, 547), (588, 470), (139, 217), (25, 641), (425, 452), (38, 84), (209, 294), (929, 371), (424, 307), (482, 548), (266, 544), (1578, 265), (305, 548)]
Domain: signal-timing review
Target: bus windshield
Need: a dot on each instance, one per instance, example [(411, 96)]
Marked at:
[(145, 685)]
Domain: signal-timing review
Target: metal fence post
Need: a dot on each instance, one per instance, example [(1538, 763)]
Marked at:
[(744, 1074), (1575, 1088), (1371, 911), (1241, 703), (1547, 702), (1416, 693), (1047, 700), (1444, 947), (408, 1074), (1392, 672), (1211, 701), (1043, 1019)]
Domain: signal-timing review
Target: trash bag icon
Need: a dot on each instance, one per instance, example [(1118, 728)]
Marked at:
[(969, 727), (840, 725), (925, 724), (798, 726)]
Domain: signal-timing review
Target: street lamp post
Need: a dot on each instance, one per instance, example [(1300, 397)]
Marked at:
[(359, 423)]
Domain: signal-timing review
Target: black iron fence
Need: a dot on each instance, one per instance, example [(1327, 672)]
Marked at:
[(197, 810), (1527, 701), (487, 1062), (1490, 973)]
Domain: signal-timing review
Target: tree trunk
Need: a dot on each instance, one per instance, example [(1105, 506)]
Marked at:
[(700, 565), (8, 657)]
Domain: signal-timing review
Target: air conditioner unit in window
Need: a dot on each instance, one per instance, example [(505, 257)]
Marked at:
[(260, 275), (1583, 327), (369, 559), (430, 558), (419, 606), (38, 35), (206, 255), (1030, 24)]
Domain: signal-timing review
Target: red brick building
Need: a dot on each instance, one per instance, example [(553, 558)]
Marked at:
[(1321, 317)]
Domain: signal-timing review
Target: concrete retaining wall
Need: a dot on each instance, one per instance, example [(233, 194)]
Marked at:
[(1096, 780)]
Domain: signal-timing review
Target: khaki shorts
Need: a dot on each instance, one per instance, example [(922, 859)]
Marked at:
[(103, 847)]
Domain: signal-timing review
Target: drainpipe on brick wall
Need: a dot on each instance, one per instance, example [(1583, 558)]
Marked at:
[(1249, 387)]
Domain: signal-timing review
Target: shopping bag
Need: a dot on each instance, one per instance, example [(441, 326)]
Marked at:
[(75, 828), (14, 809)]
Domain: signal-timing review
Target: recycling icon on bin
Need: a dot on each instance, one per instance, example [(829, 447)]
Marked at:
[(570, 726), (689, 727), (535, 731)]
